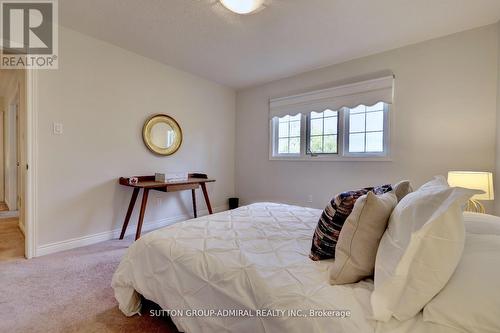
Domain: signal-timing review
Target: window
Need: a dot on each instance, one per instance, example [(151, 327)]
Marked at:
[(288, 128), (365, 125), (322, 132), (349, 122), (361, 131)]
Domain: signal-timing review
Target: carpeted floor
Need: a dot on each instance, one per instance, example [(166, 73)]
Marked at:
[(69, 292)]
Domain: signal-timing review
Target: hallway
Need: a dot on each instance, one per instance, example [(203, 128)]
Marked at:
[(11, 185)]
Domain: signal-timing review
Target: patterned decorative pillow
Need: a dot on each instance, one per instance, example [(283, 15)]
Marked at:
[(331, 221)]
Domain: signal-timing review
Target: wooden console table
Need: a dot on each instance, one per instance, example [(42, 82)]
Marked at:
[(148, 183)]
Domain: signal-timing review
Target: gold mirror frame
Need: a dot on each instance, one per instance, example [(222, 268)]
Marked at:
[(146, 134)]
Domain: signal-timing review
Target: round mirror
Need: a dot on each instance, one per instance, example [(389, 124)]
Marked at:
[(162, 134)]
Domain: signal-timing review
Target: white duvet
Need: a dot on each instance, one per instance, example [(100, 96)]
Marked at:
[(253, 260)]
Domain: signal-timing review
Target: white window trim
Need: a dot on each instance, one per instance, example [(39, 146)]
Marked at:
[(343, 136)]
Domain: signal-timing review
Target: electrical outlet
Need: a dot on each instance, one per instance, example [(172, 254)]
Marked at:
[(310, 198)]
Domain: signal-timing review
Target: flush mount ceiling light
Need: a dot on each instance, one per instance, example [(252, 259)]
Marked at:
[(242, 6)]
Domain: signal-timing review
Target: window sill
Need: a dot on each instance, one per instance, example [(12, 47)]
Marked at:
[(332, 158)]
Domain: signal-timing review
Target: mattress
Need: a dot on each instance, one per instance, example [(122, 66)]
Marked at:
[(245, 270)]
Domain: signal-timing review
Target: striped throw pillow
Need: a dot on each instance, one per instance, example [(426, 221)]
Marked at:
[(332, 219)]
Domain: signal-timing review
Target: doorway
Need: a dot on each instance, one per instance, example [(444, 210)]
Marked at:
[(12, 231)]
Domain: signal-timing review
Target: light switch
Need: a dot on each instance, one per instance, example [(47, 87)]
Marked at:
[(58, 128)]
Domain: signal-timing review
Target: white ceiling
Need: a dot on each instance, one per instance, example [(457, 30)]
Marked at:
[(287, 37)]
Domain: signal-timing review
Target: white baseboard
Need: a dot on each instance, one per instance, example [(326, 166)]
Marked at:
[(8, 203), (9, 214), (114, 234), (21, 227)]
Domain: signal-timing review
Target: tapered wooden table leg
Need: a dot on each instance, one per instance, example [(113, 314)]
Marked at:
[(129, 211), (141, 214), (193, 195), (207, 200)]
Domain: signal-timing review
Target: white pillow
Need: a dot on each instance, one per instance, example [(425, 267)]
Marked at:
[(419, 250), (477, 223), (470, 301)]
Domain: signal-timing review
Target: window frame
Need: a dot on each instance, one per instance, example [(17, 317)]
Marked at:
[(343, 153)]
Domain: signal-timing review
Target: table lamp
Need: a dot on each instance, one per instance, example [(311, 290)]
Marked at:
[(476, 181)]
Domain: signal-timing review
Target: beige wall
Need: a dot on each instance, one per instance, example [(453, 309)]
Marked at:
[(102, 95), (444, 119)]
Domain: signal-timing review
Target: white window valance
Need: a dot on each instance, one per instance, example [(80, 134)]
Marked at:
[(351, 95)]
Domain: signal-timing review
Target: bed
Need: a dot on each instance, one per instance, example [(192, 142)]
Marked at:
[(254, 262)]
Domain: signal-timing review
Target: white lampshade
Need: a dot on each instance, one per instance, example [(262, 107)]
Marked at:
[(242, 6), (473, 180)]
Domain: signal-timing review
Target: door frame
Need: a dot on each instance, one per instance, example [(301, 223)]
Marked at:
[(16, 152), (12, 144), (31, 184)]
